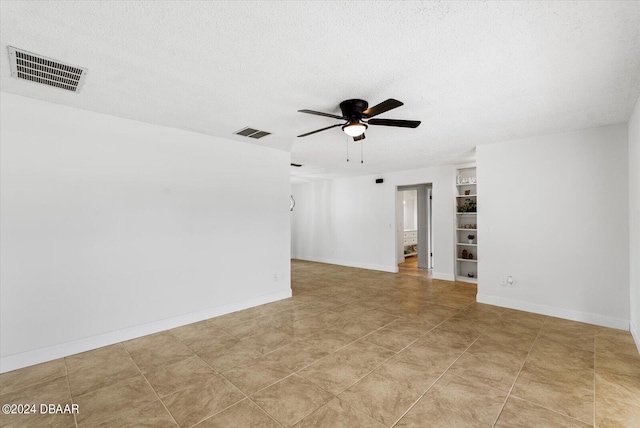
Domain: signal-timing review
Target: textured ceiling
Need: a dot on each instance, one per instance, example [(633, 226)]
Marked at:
[(472, 72)]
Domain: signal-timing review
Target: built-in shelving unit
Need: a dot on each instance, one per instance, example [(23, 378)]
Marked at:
[(466, 219)]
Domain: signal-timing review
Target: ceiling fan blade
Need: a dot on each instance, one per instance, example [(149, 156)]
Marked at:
[(319, 113), (382, 107), (395, 122), (359, 137), (322, 129)]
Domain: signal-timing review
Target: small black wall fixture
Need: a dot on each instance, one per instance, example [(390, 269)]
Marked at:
[(379, 180)]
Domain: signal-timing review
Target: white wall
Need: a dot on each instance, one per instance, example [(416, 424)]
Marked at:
[(410, 209), (112, 229), (634, 221), (352, 221), (554, 215)]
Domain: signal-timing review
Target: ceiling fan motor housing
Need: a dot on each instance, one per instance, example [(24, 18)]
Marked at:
[(352, 109)]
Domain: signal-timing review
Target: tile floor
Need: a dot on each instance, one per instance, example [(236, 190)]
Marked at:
[(352, 348)]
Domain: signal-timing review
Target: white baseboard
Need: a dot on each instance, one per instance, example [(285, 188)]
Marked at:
[(37, 356), (568, 314), (443, 276), (383, 268), (635, 332)]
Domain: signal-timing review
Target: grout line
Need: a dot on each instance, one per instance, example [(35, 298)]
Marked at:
[(434, 382), (518, 375), (66, 372), (148, 383)]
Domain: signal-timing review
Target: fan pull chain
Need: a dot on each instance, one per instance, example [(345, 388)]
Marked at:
[(361, 153), (347, 140)]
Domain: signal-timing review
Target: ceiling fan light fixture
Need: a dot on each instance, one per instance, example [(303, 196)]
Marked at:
[(354, 129)]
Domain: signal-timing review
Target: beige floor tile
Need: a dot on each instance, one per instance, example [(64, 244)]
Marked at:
[(364, 354), (269, 340), (408, 373), (291, 399), (338, 414), (452, 338), (214, 337), (154, 358), (455, 402), (120, 400), (561, 354), (151, 415), (195, 329), (567, 391), (244, 414), (616, 342), (199, 401), (248, 328), (51, 391), (490, 364), (380, 398), (509, 339), (612, 413), (398, 334), (101, 367), (222, 359), (176, 376), (520, 413), (618, 363), (618, 387), (257, 374), (333, 374), (298, 354), (575, 335), (433, 359), (30, 376)]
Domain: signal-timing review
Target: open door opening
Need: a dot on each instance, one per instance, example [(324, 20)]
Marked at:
[(414, 234)]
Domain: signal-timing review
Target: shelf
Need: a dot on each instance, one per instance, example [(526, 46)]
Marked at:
[(466, 184), (467, 229), (473, 280), (411, 254), (467, 260), (467, 245), (467, 214), (465, 196)]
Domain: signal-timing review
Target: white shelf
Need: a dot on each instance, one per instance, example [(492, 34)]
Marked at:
[(411, 254), (463, 267)]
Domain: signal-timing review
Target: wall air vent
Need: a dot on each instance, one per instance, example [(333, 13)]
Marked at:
[(40, 69), (252, 133)]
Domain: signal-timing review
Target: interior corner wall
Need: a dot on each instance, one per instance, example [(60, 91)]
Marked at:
[(554, 216), (634, 221), (352, 221), (112, 229)]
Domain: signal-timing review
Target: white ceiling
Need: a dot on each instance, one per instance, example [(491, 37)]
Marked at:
[(472, 72)]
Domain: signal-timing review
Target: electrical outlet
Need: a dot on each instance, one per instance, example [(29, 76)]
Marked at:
[(510, 281)]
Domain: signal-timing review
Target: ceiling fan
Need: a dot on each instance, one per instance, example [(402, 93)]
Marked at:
[(359, 116)]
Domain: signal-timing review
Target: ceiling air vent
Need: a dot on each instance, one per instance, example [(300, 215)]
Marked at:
[(40, 69), (252, 133)]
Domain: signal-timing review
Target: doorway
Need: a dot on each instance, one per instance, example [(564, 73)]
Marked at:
[(414, 227)]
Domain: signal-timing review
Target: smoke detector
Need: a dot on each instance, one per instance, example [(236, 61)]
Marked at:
[(40, 69)]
